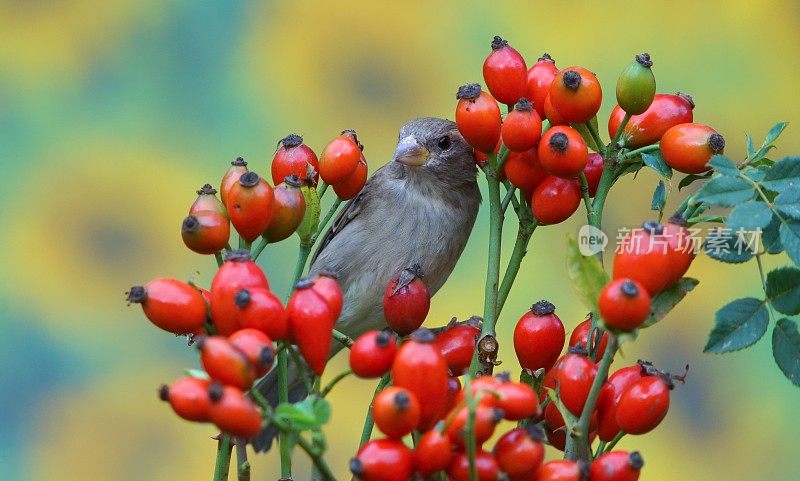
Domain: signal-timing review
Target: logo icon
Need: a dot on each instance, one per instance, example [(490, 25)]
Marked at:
[(591, 240)]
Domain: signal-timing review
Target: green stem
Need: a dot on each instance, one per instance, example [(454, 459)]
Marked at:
[(218, 257), (595, 135), (246, 246), (283, 397), (613, 443), (242, 464), (578, 439), (333, 382), (369, 422), (223, 464), (507, 199), (316, 458), (493, 264), (600, 448), (326, 219), (621, 127), (259, 248), (642, 150), (305, 374), (302, 256), (322, 187), (469, 431), (524, 235), (585, 192), (343, 338)]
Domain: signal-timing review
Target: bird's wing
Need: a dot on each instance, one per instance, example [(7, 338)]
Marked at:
[(347, 214)]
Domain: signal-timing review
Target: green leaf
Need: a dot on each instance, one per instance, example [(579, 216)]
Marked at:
[(634, 167), (788, 203), (300, 416), (784, 175), (655, 161), (769, 141), (659, 197), (790, 238), (739, 324), (691, 178), (723, 165), (786, 349), (586, 273), (668, 299), (725, 191), (756, 174), (751, 148), (725, 245), (783, 290), (750, 216), (322, 410), (770, 237)]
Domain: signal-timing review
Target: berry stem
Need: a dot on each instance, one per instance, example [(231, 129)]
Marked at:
[(641, 150), (223, 464), (218, 257), (343, 338), (322, 187), (613, 443), (305, 375), (369, 422), (595, 135), (260, 248), (333, 382), (319, 463), (621, 128), (524, 234)]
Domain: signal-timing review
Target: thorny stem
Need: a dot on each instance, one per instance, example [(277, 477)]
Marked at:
[(578, 438), (493, 264), (242, 464), (369, 422), (223, 463)]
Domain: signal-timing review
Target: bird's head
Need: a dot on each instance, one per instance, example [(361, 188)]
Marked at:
[(434, 147)]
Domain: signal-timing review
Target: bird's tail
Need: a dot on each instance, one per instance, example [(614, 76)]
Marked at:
[(268, 386)]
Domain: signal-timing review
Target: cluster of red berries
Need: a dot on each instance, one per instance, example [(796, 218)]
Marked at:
[(234, 326), (647, 261), (426, 396), (236, 322), (545, 160), (255, 208)]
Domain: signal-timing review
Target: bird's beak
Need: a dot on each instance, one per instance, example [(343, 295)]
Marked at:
[(410, 152)]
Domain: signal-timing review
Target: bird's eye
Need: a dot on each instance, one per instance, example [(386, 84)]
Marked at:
[(444, 143)]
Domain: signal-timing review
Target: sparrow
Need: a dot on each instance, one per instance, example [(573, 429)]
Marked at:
[(417, 209)]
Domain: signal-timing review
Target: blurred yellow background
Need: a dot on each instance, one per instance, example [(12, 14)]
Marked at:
[(112, 114)]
